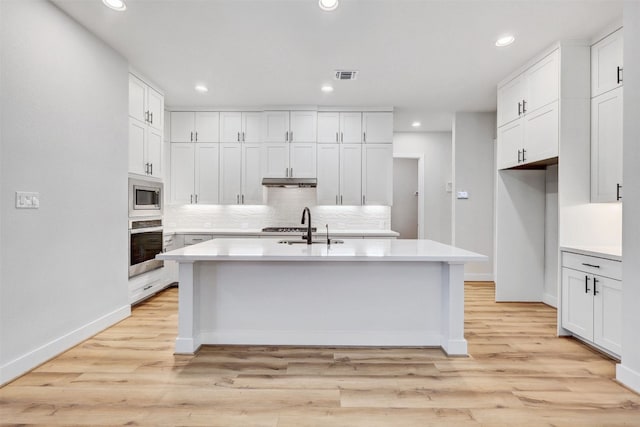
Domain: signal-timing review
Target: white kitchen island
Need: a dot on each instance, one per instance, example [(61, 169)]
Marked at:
[(358, 293)]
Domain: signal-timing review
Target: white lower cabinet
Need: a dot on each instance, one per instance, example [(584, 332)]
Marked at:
[(377, 174), (592, 301), (241, 174), (194, 173)]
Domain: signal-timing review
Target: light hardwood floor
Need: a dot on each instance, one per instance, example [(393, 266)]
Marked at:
[(518, 373)]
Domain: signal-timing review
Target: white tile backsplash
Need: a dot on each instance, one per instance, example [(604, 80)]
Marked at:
[(283, 208)]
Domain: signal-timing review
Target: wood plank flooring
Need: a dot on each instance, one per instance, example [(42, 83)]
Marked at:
[(519, 374)]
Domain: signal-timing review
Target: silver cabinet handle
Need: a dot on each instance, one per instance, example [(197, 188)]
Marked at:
[(191, 198), (191, 139), (363, 200), (341, 199), (196, 198), (243, 137), (151, 165), (523, 153), (291, 136), (243, 199), (336, 199), (151, 114), (146, 116), (364, 136), (196, 136), (146, 168), (291, 172), (524, 106), (146, 288), (341, 136), (286, 136), (237, 199), (238, 136), (519, 152), (337, 140)]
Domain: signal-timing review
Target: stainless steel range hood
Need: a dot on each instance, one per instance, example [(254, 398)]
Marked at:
[(290, 182)]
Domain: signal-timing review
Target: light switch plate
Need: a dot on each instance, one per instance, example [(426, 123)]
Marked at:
[(27, 200)]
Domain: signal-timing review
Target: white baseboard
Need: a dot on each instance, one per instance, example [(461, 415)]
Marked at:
[(628, 377), (337, 338), (550, 300), (478, 277), (32, 359)]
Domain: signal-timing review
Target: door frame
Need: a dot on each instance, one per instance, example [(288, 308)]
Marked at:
[(420, 158)]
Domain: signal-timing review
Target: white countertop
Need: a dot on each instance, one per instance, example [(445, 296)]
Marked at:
[(351, 250), (258, 232), (610, 252)]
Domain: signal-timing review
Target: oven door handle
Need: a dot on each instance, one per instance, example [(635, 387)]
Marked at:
[(145, 230)]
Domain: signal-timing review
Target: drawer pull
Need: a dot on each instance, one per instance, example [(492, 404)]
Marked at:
[(590, 265), (147, 287)]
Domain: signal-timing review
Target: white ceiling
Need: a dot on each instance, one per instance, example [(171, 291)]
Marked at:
[(428, 59)]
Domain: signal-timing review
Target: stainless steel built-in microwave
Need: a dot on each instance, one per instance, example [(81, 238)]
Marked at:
[(145, 197)]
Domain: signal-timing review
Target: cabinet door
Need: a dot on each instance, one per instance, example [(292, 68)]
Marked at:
[(276, 126), (137, 98), (377, 127), (606, 64), (252, 127), (137, 135), (182, 126), (328, 127), (155, 105), (230, 173), (606, 146), (275, 159), (510, 98), (328, 190), (303, 126), (607, 314), (510, 144), (541, 133), (230, 126), (206, 173), (577, 302), (207, 126), (251, 174), (351, 128), (350, 174), (302, 160), (153, 155), (182, 173), (377, 174), (543, 82)]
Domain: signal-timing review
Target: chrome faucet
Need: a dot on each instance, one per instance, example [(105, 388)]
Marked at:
[(308, 236)]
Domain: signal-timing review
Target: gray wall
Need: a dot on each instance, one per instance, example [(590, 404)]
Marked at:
[(436, 149), (63, 267), (474, 172), (629, 371)]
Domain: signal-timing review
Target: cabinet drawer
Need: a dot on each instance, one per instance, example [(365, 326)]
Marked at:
[(192, 239), (594, 265)]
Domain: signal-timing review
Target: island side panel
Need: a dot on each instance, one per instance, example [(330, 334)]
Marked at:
[(376, 303), (188, 340), (453, 341)]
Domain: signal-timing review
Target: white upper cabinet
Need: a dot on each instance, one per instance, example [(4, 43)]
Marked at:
[(528, 114), (240, 127), (146, 110), (302, 160), (606, 146), (275, 159), (377, 127), (334, 127), (534, 88), (230, 173), (351, 174), (302, 126), (328, 190), (251, 174), (276, 126), (377, 174), (606, 64), (200, 126), (207, 160), (194, 173), (182, 173)]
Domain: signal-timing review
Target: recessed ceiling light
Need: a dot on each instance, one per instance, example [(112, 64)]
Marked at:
[(505, 41), (416, 124), (327, 88), (115, 4), (328, 5), (201, 88)]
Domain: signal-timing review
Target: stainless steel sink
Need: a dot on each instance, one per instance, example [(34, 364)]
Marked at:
[(304, 242)]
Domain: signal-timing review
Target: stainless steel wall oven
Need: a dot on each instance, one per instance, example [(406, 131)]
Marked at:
[(145, 242)]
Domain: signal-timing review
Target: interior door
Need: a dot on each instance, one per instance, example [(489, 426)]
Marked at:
[(404, 212)]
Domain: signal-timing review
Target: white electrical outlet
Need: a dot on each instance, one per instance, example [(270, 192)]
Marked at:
[(27, 200)]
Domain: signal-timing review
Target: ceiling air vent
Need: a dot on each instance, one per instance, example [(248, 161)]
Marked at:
[(346, 75)]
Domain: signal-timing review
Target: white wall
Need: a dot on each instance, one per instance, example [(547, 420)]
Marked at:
[(63, 274), (474, 172), (628, 371), (435, 147), (551, 261)]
